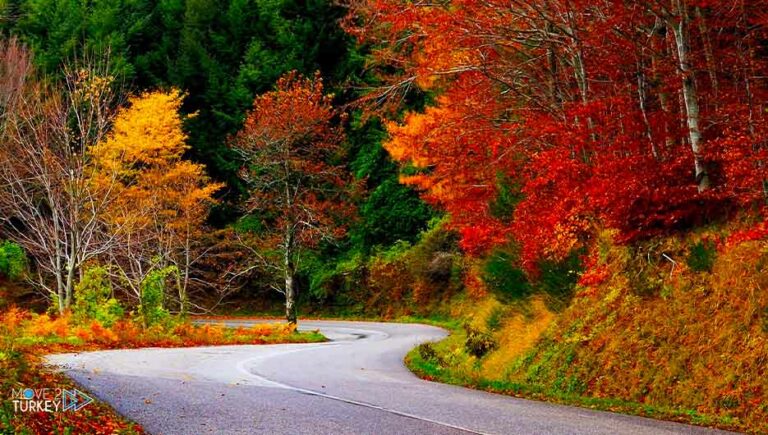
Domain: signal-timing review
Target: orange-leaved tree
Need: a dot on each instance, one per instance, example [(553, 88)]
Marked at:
[(641, 116), (291, 147), (160, 200)]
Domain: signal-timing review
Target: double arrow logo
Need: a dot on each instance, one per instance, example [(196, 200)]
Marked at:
[(74, 400)]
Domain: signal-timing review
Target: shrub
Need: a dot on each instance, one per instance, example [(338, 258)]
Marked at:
[(93, 298), (428, 353), (558, 279), (505, 280), (128, 332), (13, 261), (389, 277), (152, 295), (100, 334), (478, 343), (44, 326), (440, 268), (701, 256)]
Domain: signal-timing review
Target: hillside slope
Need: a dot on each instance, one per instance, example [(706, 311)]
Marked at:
[(674, 328)]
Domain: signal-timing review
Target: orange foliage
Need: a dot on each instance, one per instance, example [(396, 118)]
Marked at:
[(473, 282), (45, 326), (100, 334), (11, 319), (566, 101), (683, 340), (159, 200), (291, 143)]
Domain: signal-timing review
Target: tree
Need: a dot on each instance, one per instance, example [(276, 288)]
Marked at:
[(298, 189), (160, 200), (641, 116), (220, 53), (46, 202)]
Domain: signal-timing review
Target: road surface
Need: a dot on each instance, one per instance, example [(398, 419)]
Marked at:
[(354, 384)]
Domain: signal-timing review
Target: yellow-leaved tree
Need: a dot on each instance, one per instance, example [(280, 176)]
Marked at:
[(159, 199)]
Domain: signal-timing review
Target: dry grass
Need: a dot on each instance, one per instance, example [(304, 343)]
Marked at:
[(666, 336), (645, 333)]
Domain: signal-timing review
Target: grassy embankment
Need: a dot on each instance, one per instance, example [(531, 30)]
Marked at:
[(675, 329)]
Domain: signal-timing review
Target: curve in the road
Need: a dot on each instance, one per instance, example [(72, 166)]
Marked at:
[(355, 384)]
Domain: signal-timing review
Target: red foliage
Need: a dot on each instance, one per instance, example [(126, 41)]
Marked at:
[(291, 145), (586, 104)]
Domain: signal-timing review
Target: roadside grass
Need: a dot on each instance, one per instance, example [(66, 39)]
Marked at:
[(444, 362), (26, 337), (674, 328)]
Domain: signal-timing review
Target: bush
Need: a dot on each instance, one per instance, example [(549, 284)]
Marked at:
[(701, 256), (505, 280), (478, 343), (152, 295), (557, 279), (93, 298), (440, 268), (13, 261), (428, 353)]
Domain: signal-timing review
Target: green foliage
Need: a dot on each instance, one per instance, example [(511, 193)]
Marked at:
[(495, 319), (507, 281), (507, 197), (403, 277), (701, 256), (392, 211), (332, 279), (428, 353), (558, 279), (13, 260), (93, 298), (153, 287), (251, 223)]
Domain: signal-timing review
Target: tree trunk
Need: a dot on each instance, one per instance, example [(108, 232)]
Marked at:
[(290, 278), (290, 297), (690, 97), (183, 299), (641, 96)]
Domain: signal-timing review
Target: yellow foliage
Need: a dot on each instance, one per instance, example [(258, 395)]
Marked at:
[(140, 167), (147, 133), (517, 335), (657, 332)]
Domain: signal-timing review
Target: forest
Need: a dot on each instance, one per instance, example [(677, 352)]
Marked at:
[(576, 189)]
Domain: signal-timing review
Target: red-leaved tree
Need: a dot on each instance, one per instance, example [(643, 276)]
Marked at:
[(291, 146), (643, 116)]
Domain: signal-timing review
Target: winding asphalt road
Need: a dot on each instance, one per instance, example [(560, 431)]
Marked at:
[(354, 384)]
